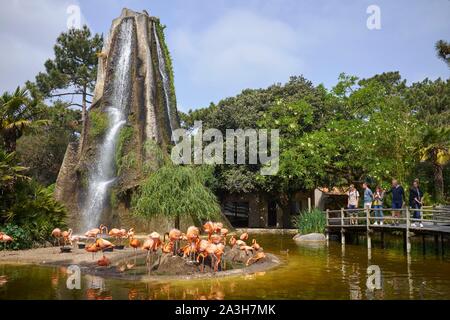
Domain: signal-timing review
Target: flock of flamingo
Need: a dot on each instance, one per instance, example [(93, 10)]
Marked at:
[(189, 245)]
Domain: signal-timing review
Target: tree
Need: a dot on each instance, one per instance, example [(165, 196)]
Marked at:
[(436, 149), (10, 172), (43, 150), (175, 191), (443, 51), (18, 113), (73, 71)]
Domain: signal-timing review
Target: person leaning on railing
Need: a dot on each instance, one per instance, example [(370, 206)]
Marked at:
[(378, 204), (352, 203), (415, 202)]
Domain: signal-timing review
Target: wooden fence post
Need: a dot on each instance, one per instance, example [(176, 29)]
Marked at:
[(369, 237), (407, 238), (342, 227)]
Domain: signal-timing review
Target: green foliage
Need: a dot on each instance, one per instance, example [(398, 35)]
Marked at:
[(175, 191), (156, 155), (310, 222), (33, 209), (124, 160), (22, 238), (99, 123), (43, 150), (10, 172), (73, 71), (18, 114), (443, 51)]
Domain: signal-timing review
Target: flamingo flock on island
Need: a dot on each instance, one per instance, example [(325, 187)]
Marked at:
[(190, 245)]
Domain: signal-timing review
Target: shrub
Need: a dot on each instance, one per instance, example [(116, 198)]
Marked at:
[(99, 123), (310, 222), (22, 239)]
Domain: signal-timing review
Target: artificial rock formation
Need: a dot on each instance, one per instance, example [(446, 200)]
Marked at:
[(129, 125)]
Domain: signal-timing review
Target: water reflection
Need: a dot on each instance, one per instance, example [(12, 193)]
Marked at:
[(309, 272)]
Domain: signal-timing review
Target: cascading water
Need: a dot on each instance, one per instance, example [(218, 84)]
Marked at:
[(164, 76), (103, 175)]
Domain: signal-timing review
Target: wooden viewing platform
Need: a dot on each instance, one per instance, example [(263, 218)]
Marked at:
[(436, 223)]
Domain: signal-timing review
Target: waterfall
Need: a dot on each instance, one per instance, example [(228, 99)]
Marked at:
[(103, 174), (164, 76)]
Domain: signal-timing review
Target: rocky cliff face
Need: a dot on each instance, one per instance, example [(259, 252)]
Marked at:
[(144, 94)]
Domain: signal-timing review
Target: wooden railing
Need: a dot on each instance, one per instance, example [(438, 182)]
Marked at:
[(433, 220)]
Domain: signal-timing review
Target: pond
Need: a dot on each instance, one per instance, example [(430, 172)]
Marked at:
[(307, 272)]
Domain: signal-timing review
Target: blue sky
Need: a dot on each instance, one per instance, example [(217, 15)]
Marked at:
[(220, 47)]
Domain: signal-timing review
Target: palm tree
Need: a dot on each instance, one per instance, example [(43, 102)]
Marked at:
[(436, 149), (17, 114), (10, 172)]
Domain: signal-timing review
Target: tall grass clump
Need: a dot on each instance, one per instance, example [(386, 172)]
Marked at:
[(310, 222)]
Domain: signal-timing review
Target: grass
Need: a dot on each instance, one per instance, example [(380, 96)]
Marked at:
[(310, 222)]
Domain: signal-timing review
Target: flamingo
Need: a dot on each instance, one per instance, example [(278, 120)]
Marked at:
[(218, 256), (66, 235), (103, 244), (5, 239), (175, 236), (208, 227), (246, 249), (224, 233), (148, 245), (93, 233), (244, 236), (255, 258), (216, 239), (203, 245), (232, 241), (92, 248), (255, 245), (218, 227), (115, 233), (103, 261), (56, 233)]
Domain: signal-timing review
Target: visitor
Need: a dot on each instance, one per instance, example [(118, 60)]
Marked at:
[(398, 194), (368, 198), (415, 202), (352, 203), (378, 205)]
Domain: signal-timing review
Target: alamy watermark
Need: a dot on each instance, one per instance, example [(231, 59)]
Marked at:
[(373, 278), (74, 18), (374, 20), (249, 146)]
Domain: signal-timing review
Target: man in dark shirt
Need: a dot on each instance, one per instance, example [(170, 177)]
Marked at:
[(398, 194)]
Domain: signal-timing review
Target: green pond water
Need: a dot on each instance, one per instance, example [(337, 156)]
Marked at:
[(307, 272)]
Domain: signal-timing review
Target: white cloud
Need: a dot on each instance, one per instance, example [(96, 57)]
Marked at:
[(239, 50), (28, 31)]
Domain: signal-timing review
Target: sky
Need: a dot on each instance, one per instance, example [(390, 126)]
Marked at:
[(220, 47)]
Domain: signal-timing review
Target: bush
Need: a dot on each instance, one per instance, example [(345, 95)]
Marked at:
[(310, 222), (32, 215), (22, 239), (99, 123)]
